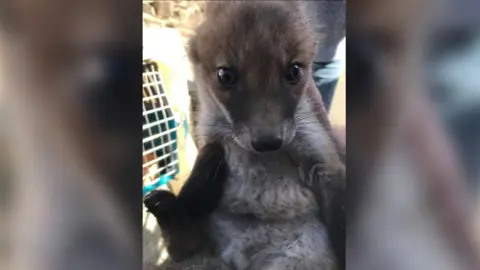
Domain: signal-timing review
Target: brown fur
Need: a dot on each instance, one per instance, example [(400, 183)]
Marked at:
[(296, 45), (224, 42), (240, 46)]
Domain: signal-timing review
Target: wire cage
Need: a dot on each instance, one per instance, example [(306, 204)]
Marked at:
[(160, 149)]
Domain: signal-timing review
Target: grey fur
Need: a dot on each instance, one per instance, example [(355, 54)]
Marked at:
[(269, 216)]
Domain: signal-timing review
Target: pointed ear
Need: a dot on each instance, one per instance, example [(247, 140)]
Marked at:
[(192, 50)]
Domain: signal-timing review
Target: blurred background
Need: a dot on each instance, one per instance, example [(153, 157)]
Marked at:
[(70, 77), (413, 112)]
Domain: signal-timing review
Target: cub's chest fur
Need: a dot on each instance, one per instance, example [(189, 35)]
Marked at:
[(267, 186)]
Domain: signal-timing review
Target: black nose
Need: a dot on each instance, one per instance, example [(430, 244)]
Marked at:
[(267, 144)]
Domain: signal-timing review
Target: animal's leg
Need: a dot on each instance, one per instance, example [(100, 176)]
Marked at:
[(286, 263), (275, 261), (232, 240), (266, 262), (182, 218), (328, 182), (307, 249), (182, 235), (202, 191), (234, 257), (197, 262)]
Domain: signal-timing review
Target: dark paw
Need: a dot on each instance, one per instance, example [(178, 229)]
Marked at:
[(159, 202), (179, 253)]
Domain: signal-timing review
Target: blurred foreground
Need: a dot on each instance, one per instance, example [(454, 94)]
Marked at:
[(71, 104), (411, 208)]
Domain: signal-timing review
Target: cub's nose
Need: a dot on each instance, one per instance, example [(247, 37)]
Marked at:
[(267, 144)]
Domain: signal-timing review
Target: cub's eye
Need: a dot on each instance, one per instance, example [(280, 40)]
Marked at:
[(227, 76), (293, 73)]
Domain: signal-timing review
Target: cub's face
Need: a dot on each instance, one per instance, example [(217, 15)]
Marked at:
[(253, 61)]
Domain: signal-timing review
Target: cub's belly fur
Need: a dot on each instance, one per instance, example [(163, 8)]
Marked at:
[(265, 213), (266, 186), (267, 193)]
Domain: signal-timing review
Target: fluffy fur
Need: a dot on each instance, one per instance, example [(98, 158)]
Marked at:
[(275, 206)]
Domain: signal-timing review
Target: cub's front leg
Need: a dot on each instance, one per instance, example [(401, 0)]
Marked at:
[(322, 170), (328, 182), (182, 218)]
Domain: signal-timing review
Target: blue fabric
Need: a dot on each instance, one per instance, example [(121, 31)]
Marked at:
[(163, 180), (326, 76)]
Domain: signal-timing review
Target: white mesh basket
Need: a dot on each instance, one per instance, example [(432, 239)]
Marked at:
[(160, 149)]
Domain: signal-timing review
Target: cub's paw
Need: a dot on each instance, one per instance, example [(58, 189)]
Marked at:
[(160, 202)]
